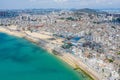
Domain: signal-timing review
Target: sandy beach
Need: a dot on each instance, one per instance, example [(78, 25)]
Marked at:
[(67, 57)]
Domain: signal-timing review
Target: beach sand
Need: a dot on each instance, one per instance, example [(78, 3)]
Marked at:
[(67, 57)]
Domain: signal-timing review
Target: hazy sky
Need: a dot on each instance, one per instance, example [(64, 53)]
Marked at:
[(23, 4)]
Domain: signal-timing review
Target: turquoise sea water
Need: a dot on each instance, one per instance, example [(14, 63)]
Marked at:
[(23, 60)]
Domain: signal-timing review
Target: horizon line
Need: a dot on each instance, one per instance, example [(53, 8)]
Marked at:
[(57, 8)]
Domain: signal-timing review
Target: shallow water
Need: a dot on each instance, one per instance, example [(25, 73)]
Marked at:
[(23, 60)]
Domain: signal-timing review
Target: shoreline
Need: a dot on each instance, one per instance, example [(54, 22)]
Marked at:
[(70, 59)]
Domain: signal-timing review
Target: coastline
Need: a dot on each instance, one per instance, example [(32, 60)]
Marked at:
[(70, 59)]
